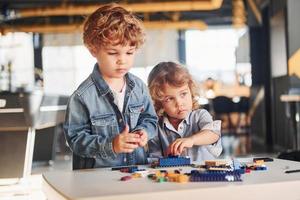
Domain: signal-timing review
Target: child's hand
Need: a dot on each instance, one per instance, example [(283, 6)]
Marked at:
[(178, 146), (126, 142), (143, 136)]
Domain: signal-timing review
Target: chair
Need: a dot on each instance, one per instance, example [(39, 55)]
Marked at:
[(292, 111), (242, 127), (222, 107), (242, 108)]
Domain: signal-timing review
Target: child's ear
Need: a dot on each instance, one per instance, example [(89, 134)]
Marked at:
[(93, 51), (161, 112)]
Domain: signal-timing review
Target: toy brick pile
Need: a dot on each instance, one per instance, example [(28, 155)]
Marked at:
[(212, 170)]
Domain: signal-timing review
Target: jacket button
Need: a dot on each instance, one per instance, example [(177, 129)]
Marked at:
[(120, 120)]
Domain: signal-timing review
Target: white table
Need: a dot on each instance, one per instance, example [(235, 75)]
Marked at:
[(105, 184)]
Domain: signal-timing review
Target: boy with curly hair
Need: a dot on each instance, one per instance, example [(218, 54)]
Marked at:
[(110, 116)]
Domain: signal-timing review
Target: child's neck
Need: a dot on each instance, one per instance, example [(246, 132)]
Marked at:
[(174, 121), (116, 84)]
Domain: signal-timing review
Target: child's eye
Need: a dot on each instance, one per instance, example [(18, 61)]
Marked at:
[(129, 53), (168, 99), (183, 94), (111, 53)]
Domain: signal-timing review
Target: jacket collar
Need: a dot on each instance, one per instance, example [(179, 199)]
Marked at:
[(103, 86), (167, 124), (166, 121)]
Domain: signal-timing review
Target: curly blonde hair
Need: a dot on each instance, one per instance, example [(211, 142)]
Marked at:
[(112, 25), (173, 74)]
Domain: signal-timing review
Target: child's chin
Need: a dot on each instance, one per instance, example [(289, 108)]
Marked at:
[(183, 116), (119, 75)]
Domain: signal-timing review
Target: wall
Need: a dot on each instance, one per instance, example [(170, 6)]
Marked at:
[(293, 16), (16, 50), (67, 62), (278, 45)]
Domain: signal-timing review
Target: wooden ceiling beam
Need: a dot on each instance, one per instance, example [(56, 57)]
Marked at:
[(70, 28), (179, 25), (255, 11), (238, 14), (147, 7)]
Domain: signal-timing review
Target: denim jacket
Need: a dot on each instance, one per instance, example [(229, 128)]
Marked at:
[(93, 120)]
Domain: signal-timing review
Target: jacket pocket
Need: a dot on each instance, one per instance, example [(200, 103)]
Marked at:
[(104, 125), (134, 113)]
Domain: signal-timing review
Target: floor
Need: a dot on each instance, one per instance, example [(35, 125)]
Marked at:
[(30, 188)]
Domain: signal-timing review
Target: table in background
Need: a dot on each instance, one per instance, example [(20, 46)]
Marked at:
[(293, 108)]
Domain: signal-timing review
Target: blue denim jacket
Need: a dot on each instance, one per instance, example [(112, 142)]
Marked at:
[(93, 120)]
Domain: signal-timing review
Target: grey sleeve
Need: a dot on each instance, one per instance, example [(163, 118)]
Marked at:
[(206, 122), (155, 148)]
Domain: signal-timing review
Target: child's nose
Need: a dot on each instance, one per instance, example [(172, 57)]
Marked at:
[(121, 60), (180, 102)]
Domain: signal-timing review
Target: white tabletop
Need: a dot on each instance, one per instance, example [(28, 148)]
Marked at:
[(105, 184)]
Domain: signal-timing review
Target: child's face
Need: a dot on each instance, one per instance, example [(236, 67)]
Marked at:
[(177, 101), (114, 61)]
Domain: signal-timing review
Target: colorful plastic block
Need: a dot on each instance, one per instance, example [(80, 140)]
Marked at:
[(173, 161), (236, 165), (129, 169), (215, 163), (197, 176), (123, 167), (126, 178)]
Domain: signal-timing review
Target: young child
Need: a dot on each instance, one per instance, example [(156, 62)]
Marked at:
[(110, 117), (183, 128)]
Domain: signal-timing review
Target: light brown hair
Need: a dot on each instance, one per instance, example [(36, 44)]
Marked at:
[(173, 74), (112, 25)]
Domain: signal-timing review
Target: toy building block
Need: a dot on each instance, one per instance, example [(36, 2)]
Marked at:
[(136, 175), (215, 163), (197, 165), (151, 176), (161, 179), (172, 177), (129, 169), (123, 167), (182, 178), (263, 167), (168, 176), (237, 166), (209, 176), (143, 173), (219, 169), (173, 161), (159, 174), (257, 167), (265, 159), (126, 178), (259, 162)]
